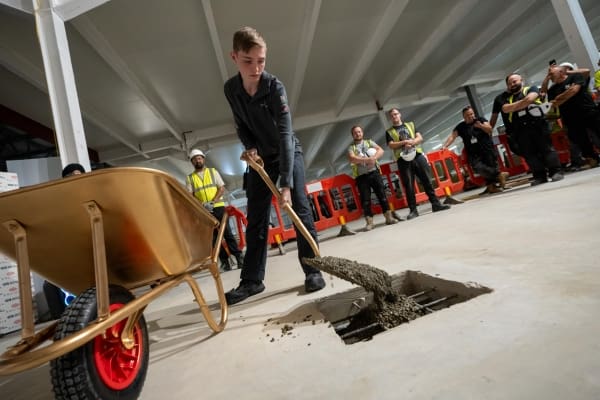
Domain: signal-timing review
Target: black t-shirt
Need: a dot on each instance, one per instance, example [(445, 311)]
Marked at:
[(475, 140), (403, 134), (511, 120), (580, 104)]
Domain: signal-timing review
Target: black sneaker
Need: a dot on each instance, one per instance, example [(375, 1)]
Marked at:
[(439, 207), (412, 214), (314, 282), (246, 289), (536, 182)]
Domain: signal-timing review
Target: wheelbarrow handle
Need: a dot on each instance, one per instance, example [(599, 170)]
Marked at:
[(258, 165)]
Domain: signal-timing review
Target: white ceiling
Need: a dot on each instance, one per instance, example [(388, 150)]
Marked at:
[(150, 73)]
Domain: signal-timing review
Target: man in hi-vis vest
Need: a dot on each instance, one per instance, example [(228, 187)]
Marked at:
[(404, 141), (207, 186), (363, 155), (526, 126)]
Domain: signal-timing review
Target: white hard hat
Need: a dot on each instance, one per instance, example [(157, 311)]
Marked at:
[(568, 65), (408, 153), (371, 151), (196, 152)]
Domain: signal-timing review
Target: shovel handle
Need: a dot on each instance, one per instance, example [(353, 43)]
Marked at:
[(257, 165)]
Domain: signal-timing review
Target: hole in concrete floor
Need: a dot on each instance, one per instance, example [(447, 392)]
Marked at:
[(351, 312)]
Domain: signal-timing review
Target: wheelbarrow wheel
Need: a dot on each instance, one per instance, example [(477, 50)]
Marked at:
[(103, 368)]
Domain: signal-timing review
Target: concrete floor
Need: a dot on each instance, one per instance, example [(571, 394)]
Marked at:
[(534, 337)]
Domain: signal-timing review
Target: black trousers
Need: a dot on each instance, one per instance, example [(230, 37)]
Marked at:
[(218, 213), (366, 182), (55, 299), (533, 138), (259, 209), (485, 165), (408, 170), (585, 132)]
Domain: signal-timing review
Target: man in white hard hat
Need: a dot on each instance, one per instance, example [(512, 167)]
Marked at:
[(405, 140), (208, 187), (363, 155)]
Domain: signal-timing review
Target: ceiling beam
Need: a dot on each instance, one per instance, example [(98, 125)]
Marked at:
[(315, 146), (458, 13), (144, 149), (32, 74), (214, 38), (21, 5), (476, 54), (387, 23), (311, 16), (69, 9), (98, 42)]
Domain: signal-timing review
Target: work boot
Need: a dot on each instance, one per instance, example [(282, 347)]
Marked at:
[(396, 216), (502, 176), (246, 289), (412, 214), (439, 207), (592, 162), (369, 226), (491, 188), (389, 219), (314, 282)]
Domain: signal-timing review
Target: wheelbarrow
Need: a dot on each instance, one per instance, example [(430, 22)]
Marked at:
[(100, 235)]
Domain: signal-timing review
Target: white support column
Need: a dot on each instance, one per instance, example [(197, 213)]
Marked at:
[(61, 85), (577, 32)]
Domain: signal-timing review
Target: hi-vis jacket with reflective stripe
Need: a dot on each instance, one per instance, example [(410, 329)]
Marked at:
[(355, 151), (524, 92), (396, 137), (204, 187)]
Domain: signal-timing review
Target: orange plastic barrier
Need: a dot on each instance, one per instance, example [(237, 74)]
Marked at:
[(336, 198), (445, 174), (560, 142), (240, 225)]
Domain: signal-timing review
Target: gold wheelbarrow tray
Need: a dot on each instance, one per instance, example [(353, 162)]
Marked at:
[(98, 236)]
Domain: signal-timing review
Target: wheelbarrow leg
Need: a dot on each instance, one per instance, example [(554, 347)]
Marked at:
[(20, 236)]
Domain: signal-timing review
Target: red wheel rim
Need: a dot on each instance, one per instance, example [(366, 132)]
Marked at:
[(116, 365)]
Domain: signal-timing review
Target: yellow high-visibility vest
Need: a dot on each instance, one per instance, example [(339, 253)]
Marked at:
[(204, 187), (524, 91), (396, 137)]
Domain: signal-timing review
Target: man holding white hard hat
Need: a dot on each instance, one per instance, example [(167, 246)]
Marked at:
[(363, 155), (404, 140)]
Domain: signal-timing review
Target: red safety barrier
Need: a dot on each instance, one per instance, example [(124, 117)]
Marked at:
[(336, 199), (280, 225), (560, 142), (445, 174), (240, 225)]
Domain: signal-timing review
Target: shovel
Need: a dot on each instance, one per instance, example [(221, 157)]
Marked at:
[(371, 278), (390, 307)]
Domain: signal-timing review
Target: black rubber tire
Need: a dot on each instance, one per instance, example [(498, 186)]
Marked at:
[(74, 375)]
